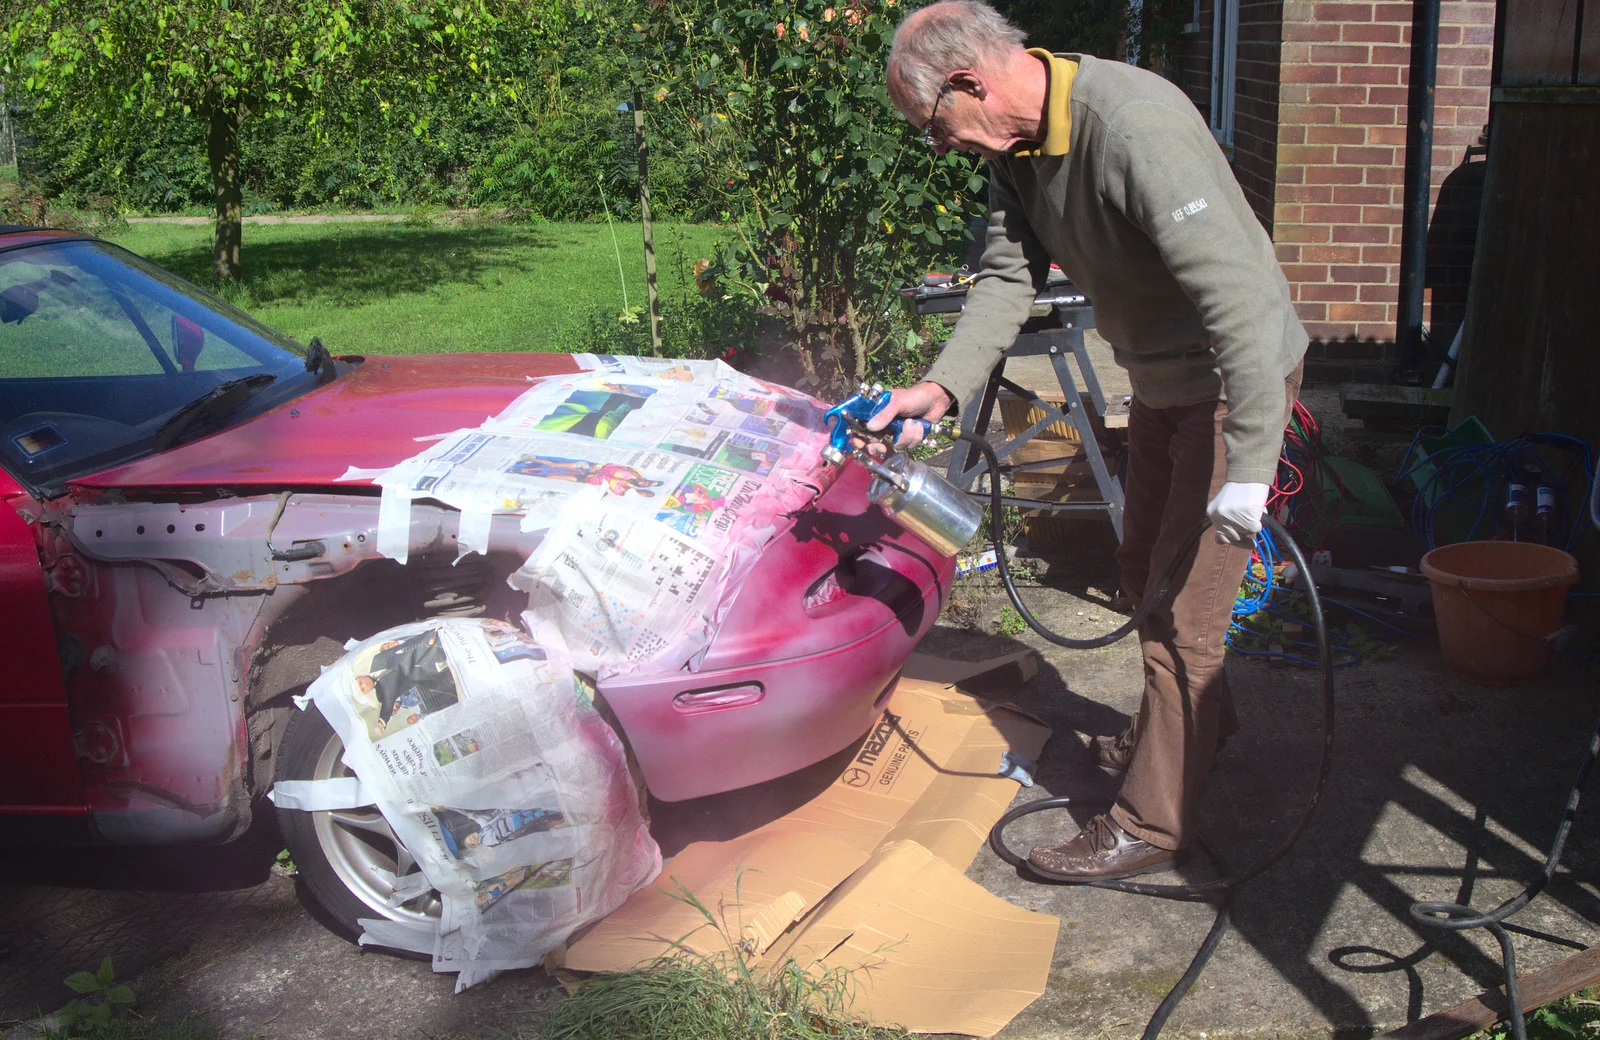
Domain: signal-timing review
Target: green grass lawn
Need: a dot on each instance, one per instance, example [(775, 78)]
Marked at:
[(403, 289)]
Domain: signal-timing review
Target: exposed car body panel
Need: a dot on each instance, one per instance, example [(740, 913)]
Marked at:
[(37, 769), (368, 418), (169, 621)]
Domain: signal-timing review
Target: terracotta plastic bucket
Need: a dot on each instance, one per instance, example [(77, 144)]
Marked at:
[(1496, 604)]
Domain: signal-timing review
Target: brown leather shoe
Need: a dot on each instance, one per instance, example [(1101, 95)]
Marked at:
[(1102, 852), (1116, 753)]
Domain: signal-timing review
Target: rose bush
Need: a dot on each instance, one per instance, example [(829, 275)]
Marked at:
[(836, 202)]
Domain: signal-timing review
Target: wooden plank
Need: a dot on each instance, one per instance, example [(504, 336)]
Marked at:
[(1386, 401), (1589, 47), (1538, 989), (1065, 458), (1018, 413), (1530, 361), (1561, 94), (1539, 38)]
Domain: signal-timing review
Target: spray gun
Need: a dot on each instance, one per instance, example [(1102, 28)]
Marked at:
[(922, 501)]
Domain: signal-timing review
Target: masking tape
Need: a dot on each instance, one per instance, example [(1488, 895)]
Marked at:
[(397, 935), (472, 533), (394, 524), (357, 473), (340, 792), (403, 888)]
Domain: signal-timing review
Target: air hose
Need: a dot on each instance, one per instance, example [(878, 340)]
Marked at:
[(1443, 915), (1455, 917), (1223, 888)]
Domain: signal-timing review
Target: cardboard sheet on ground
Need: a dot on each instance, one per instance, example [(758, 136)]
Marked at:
[(944, 670), (869, 874)]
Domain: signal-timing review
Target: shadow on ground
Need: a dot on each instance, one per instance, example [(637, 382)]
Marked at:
[(1440, 790), (350, 265), (63, 910)]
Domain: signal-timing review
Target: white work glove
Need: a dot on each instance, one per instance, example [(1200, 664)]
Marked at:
[(1236, 512)]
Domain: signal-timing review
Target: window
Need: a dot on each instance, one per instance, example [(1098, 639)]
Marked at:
[(1224, 70), (99, 348)]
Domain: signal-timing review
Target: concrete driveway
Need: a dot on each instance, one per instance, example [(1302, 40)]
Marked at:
[(1441, 790)]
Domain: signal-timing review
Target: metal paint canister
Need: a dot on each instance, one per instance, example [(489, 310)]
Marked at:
[(926, 504)]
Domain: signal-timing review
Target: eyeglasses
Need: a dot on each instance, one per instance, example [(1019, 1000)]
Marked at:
[(927, 134)]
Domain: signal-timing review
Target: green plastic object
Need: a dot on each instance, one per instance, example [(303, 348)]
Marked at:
[(1358, 494), (1453, 519)]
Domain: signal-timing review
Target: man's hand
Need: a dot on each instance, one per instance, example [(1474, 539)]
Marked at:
[(926, 400), (1236, 513)]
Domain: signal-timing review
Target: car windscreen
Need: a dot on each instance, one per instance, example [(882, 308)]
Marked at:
[(99, 349)]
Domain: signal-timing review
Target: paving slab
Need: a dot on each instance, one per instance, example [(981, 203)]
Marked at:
[(1440, 788)]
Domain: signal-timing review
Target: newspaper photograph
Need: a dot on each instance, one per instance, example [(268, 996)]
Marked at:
[(616, 585), (656, 484), (494, 769)]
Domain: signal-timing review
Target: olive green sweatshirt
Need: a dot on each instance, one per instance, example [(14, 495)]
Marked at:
[(1144, 214)]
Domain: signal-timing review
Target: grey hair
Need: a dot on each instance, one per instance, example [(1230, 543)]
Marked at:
[(946, 36)]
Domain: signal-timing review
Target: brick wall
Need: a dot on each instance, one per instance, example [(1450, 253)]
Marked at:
[(1341, 154), (1192, 56), (1255, 119)]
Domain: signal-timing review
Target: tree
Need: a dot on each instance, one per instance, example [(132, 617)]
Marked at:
[(224, 60), (785, 106)]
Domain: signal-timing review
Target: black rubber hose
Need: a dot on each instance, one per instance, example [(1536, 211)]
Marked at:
[(1434, 914), (1455, 917), (1223, 887), (1151, 601)]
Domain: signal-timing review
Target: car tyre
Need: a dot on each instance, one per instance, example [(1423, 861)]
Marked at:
[(343, 857)]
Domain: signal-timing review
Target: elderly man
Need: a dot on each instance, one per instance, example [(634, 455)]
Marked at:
[(1110, 172)]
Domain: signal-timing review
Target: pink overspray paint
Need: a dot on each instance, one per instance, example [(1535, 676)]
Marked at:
[(822, 671)]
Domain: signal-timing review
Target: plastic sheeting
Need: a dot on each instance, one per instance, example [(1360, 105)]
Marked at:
[(656, 482), (488, 758)]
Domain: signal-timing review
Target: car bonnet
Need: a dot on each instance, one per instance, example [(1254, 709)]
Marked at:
[(370, 418)]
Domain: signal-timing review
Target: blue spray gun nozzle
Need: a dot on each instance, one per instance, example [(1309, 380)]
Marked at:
[(851, 415)]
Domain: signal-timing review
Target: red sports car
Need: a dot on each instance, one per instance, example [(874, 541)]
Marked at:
[(178, 559)]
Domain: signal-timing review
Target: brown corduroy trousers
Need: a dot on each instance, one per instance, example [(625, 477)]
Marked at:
[(1176, 465)]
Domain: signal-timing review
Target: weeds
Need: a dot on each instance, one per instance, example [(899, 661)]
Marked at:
[(691, 995), (1287, 623), (1572, 1018), (103, 1010), (421, 215), (699, 321), (971, 594), (101, 1001), (1010, 622)]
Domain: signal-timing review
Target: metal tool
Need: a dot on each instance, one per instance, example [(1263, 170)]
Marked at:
[(922, 501), (850, 416)]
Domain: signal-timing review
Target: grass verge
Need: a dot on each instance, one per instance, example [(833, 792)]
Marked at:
[(695, 998), (406, 289), (690, 994)]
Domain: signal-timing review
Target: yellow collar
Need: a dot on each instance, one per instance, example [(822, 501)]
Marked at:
[(1058, 104)]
